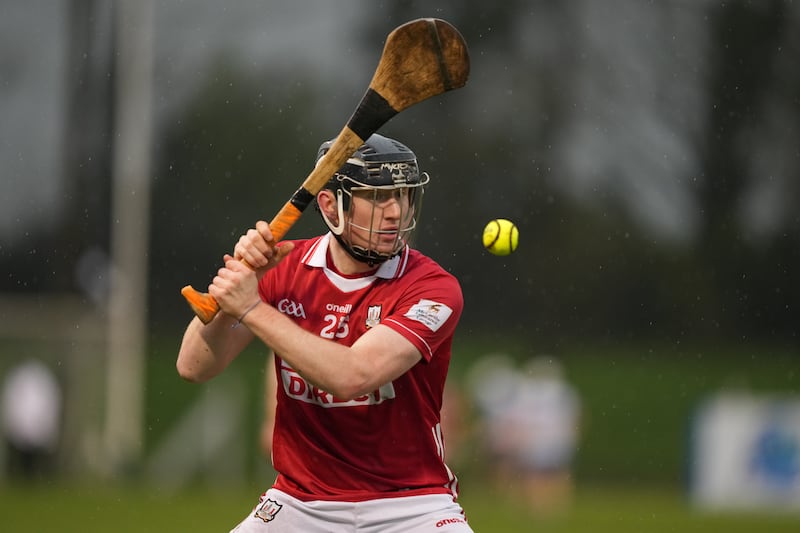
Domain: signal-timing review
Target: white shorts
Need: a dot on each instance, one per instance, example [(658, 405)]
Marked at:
[(278, 512)]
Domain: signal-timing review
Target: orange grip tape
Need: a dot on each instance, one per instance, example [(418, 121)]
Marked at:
[(284, 220), (203, 304)]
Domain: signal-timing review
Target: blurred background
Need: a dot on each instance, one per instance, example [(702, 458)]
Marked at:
[(648, 151)]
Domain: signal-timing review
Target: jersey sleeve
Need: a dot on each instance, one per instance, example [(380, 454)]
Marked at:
[(428, 312), (276, 277)]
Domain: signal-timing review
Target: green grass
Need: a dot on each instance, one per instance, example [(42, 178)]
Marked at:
[(99, 508)]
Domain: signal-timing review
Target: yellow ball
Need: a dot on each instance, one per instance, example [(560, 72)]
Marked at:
[(500, 236)]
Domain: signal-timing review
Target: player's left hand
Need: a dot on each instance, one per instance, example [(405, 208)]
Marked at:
[(235, 287)]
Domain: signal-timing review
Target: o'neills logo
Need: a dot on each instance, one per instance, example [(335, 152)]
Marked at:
[(298, 388), (448, 521), (338, 308)]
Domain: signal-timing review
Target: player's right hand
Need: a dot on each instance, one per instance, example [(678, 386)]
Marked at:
[(258, 249)]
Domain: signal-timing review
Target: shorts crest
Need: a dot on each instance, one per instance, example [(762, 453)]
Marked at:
[(267, 510)]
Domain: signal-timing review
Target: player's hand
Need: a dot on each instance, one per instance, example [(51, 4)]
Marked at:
[(235, 287), (257, 248)]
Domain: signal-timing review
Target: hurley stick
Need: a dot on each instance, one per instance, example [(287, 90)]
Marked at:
[(422, 58)]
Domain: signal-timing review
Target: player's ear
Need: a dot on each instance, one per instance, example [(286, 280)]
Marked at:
[(326, 201)]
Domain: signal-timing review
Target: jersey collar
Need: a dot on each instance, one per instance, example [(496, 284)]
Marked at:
[(317, 257)]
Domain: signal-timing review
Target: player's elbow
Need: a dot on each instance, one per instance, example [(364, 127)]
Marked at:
[(351, 386), (189, 372), (346, 392), (186, 373)]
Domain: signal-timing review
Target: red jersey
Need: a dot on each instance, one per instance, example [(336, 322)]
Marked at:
[(385, 443)]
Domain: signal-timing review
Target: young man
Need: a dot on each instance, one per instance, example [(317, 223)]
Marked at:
[(361, 326)]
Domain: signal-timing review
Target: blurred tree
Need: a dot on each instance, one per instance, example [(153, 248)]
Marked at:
[(234, 155), (750, 290), (47, 259), (587, 266)]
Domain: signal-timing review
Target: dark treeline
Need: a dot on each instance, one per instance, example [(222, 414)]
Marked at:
[(589, 265)]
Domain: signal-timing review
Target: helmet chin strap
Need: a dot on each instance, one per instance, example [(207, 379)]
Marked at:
[(359, 254)]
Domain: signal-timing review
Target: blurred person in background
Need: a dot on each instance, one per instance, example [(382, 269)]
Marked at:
[(532, 417), (31, 419), (492, 382), (270, 404)]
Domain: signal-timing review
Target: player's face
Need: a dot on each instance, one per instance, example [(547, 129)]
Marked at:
[(380, 218)]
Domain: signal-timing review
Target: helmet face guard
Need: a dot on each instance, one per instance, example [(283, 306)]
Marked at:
[(379, 196)]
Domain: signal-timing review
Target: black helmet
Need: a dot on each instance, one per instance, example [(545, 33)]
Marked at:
[(381, 164)]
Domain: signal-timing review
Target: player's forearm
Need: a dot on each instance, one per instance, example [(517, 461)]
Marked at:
[(326, 364), (207, 349)]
